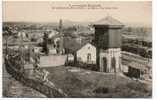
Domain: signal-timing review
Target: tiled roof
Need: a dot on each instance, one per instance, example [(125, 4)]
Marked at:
[(108, 21)]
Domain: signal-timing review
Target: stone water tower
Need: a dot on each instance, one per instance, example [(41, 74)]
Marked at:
[(108, 44)]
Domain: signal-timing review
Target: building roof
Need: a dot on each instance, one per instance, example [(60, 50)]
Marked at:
[(108, 21), (87, 44), (136, 37), (139, 66)]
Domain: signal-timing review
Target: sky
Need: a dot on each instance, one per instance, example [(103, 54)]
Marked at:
[(40, 11)]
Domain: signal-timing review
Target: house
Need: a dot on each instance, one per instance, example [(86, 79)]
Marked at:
[(86, 54), (79, 50)]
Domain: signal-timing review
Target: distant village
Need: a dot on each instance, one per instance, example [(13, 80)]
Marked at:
[(106, 46)]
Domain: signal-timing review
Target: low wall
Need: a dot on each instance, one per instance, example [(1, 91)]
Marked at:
[(52, 60), (47, 89)]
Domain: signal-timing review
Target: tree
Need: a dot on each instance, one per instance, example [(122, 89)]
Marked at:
[(7, 35), (45, 44)]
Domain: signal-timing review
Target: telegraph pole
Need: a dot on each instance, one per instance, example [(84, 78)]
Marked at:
[(61, 39)]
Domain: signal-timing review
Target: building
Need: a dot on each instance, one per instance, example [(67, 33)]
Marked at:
[(52, 49), (83, 56), (79, 50), (138, 70), (86, 54), (138, 67), (108, 44)]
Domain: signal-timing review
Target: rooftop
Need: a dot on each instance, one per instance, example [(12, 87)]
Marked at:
[(108, 21), (139, 66)]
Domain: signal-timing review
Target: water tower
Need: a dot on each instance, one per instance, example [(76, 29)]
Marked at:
[(108, 44)]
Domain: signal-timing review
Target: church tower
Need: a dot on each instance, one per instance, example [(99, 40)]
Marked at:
[(108, 44)]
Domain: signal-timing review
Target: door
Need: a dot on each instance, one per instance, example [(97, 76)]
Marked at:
[(105, 64), (113, 64), (88, 58)]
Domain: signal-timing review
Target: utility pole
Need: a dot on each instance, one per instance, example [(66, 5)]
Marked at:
[(61, 38)]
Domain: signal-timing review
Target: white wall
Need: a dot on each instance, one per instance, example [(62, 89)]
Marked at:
[(52, 60), (83, 52)]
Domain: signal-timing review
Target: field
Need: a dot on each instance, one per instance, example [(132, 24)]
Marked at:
[(78, 82)]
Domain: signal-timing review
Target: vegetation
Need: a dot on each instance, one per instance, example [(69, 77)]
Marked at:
[(77, 82), (45, 44)]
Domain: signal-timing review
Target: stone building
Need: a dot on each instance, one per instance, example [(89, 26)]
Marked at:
[(108, 44), (86, 54)]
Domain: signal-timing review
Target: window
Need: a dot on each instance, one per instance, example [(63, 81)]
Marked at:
[(105, 64)]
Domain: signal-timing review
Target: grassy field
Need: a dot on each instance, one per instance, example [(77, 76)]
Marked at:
[(78, 82)]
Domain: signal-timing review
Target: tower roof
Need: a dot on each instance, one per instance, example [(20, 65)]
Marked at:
[(110, 21)]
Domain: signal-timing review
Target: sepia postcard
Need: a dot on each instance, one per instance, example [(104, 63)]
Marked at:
[(77, 49)]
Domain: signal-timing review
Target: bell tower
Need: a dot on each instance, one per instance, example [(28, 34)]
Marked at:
[(108, 44)]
